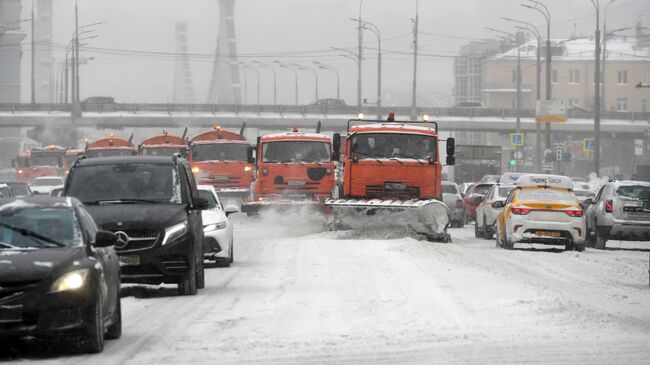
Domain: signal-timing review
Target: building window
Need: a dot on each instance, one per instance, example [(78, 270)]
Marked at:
[(644, 105), (621, 104), (622, 77), (574, 102), (554, 76), (574, 76)]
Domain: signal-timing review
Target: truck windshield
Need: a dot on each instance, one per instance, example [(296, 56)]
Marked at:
[(110, 152), (125, 182), (296, 151), (393, 145), (162, 151), (46, 160), (219, 152)]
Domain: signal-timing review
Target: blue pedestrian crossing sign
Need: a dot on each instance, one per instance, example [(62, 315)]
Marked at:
[(517, 139), (588, 144)]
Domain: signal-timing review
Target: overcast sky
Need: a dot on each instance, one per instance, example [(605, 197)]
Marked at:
[(307, 29)]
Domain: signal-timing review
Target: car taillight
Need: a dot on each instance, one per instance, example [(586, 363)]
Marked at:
[(521, 211), (459, 203), (609, 206), (575, 213)]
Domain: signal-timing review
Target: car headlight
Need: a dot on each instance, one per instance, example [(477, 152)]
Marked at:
[(214, 227), (174, 232), (72, 280)]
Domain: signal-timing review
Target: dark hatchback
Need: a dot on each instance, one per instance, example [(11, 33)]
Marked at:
[(59, 275), (152, 204)]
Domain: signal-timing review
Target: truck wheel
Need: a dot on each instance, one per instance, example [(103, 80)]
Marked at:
[(187, 285)]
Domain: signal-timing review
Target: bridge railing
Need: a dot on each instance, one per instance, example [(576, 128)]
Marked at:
[(348, 111)]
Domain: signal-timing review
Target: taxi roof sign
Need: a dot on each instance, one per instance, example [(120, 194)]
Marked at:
[(546, 181), (510, 177)]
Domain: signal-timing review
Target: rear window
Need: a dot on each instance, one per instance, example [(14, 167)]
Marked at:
[(53, 181), (546, 195), (19, 189), (482, 188), (634, 191), (449, 189)]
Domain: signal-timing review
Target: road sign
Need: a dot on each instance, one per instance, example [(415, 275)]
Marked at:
[(588, 144), (517, 139), (550, 111)]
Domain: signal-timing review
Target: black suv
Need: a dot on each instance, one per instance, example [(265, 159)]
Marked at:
[(151, 203)]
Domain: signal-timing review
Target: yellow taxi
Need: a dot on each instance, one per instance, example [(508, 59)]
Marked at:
[(541, 209)]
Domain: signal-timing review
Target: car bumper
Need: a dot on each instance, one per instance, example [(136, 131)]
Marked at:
[(216, 244), (45, 315), (160, 264), (524, 231), (629, 230)]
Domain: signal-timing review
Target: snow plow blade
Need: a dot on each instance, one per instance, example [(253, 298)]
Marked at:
[(426, 217), (256, 207)]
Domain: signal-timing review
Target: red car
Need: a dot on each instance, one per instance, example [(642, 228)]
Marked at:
[(473, 197)]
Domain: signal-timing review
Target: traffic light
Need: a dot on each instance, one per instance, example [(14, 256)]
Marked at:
[(513, 162)]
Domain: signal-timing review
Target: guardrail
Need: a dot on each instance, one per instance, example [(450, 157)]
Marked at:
[(369, 111)]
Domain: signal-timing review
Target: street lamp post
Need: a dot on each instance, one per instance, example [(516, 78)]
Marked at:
[(375, 30), (257, 74), (295, 74), (336, 72), (359, 58), (596, 4), (547, 16), (275, 80), (603, 102), (314, 72)]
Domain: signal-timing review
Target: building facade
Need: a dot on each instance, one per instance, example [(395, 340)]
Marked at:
[(468, 72), (11, 37)]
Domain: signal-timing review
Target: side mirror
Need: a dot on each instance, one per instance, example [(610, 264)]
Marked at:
[(498, 204), (230, 210), (249, 155), (105, 239), (451, 147), (201, 203), (336, 146), (587, 202), (451, 160)]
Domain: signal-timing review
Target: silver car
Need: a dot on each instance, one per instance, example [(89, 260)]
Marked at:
[(582, 190), (454, 200), (621, 211), (486, 213)]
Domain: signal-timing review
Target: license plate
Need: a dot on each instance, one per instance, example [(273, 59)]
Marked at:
[(547, 234), (220, 178), (638, 214), (296, 183), (129, 260)]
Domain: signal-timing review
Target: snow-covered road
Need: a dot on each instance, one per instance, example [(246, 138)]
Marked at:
[(295, 296)]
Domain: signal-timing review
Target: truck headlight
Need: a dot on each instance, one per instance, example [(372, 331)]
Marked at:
[(248, 168), (214, 227), (174, 232), (195, 170), (72, 280)]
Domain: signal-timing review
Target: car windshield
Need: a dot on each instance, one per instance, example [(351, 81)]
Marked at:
[(110, 152), (125, 182), (47, 181), (207, 194), (482, 188), (449, 189), (220, 152), (162, 151), (546, 195), (634, 191), (46, 160), (505, 190), (296, 151), (20, 226), (393, 145)]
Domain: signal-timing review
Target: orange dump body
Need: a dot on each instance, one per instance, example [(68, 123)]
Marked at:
[(292, 168), (219, 158), (46, 161), (163, 145), (393, 175), (110, 146)]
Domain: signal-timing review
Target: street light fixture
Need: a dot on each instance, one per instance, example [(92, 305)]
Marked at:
[(323, 66)]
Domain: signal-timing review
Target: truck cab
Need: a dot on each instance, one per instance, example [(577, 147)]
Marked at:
[(164, 144), (110, 147), (293, 168)]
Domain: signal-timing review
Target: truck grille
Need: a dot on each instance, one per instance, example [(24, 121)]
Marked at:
[(380, 192), (223, 180)]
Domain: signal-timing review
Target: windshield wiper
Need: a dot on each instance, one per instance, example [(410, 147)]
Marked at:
[(298, 161), (411, 157), (6, 245), (367, 155), (125, 201), (28, 233)]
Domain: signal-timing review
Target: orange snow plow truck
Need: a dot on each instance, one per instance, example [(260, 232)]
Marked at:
[(164, 144), (392, 176), (294, 169), (221, 158), (110, 146)]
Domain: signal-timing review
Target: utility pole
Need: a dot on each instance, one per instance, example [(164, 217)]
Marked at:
[(360, 57), (33, 76), (76, 41), (414, 112), (597, 91)]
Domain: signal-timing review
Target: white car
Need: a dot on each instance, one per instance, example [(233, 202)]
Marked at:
[(45, 184), (486, 214), (217, 229)]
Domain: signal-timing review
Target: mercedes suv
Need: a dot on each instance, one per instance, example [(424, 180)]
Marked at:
[(152, 204)]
